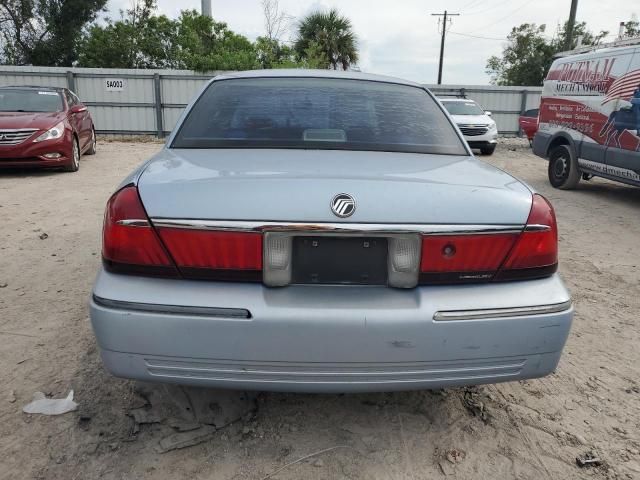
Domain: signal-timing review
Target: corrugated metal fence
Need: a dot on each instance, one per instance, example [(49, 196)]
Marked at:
[(149, 102)]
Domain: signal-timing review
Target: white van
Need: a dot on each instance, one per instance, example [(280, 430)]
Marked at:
[(589, 123)]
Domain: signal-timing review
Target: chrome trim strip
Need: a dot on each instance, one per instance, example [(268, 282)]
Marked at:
[(384, 228), (133, 223), (537, 228), (501, 312), (260, 370), (234, 313)]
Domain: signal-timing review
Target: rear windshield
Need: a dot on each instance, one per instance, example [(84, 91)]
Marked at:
[(17, 100), (316, 113), (463, 108)]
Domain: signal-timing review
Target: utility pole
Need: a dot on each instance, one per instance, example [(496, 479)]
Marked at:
[(571, 25), (206, 8), (445, 16)]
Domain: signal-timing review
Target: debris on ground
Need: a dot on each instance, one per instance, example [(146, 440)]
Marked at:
[(472, 400), (143, 416), (180, 440), (193, 414), (4, 285), (446, 469), (302, 459), (12, 396), (43, 236), (455, 456), (181, 426), (50, 406), (589, 459), (84, 421)]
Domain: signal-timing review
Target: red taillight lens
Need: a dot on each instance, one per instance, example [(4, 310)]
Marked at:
[(536, 252), (533, 253), (448, 258), (130, 244), (214, 254)]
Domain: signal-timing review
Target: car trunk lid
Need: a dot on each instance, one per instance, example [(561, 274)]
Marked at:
[(299, 185)]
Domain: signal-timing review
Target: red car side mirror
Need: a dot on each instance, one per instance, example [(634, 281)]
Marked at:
[(78, 109)]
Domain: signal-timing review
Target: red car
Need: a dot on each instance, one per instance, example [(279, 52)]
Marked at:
[(529, 123), (44, 127)]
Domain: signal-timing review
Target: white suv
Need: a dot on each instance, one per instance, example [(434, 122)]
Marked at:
[(477, 126)]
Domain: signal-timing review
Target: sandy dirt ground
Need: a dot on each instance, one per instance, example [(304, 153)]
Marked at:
[(50, 251)]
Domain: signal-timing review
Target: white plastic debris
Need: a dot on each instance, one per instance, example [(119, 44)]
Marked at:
[(50, 406)]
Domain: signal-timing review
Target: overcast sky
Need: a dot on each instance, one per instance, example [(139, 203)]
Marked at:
[(401, 37)]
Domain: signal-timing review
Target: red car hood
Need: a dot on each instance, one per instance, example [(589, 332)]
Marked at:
[(38, 120)]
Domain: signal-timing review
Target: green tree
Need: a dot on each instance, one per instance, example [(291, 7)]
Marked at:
[(44, 32), (329, 37), (632, 28), (140, 39), (580, 30), (528, 54), (273, 54), (206, 45)]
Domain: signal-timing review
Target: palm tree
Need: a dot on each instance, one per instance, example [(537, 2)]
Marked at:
[(331, 34)]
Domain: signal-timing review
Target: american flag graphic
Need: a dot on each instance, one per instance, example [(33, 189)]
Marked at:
[(623, 87)]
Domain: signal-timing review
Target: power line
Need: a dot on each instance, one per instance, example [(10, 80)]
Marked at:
[(520, 7), (444, 16), (468, 5), (502, 39), (488, 9)]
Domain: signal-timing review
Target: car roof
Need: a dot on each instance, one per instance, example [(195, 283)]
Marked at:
[(457, 100), (305, 73), (34, 87)]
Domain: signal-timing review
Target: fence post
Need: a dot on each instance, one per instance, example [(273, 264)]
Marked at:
[(158, 100), (523, 108), (71, 81)]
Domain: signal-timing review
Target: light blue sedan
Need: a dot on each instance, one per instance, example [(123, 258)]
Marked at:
[(318, 231)]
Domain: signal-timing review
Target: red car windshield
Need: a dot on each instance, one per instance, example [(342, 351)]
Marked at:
[(30, 100)]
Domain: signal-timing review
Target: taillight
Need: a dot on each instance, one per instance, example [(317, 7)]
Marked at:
[(129, 242), (215, 255), (463, 258), (536, 252), (532, 253), (132, 245)]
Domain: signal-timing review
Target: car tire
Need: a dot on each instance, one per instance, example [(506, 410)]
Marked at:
[(74, 165), (93, 143), (488, 150), (563, 168)]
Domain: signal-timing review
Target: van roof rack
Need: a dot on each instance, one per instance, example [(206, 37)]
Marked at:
[(625, 42)]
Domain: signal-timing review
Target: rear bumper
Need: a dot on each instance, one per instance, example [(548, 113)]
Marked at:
[(324, 338)]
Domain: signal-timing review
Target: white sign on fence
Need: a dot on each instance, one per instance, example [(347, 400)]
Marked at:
[(115, 84)]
